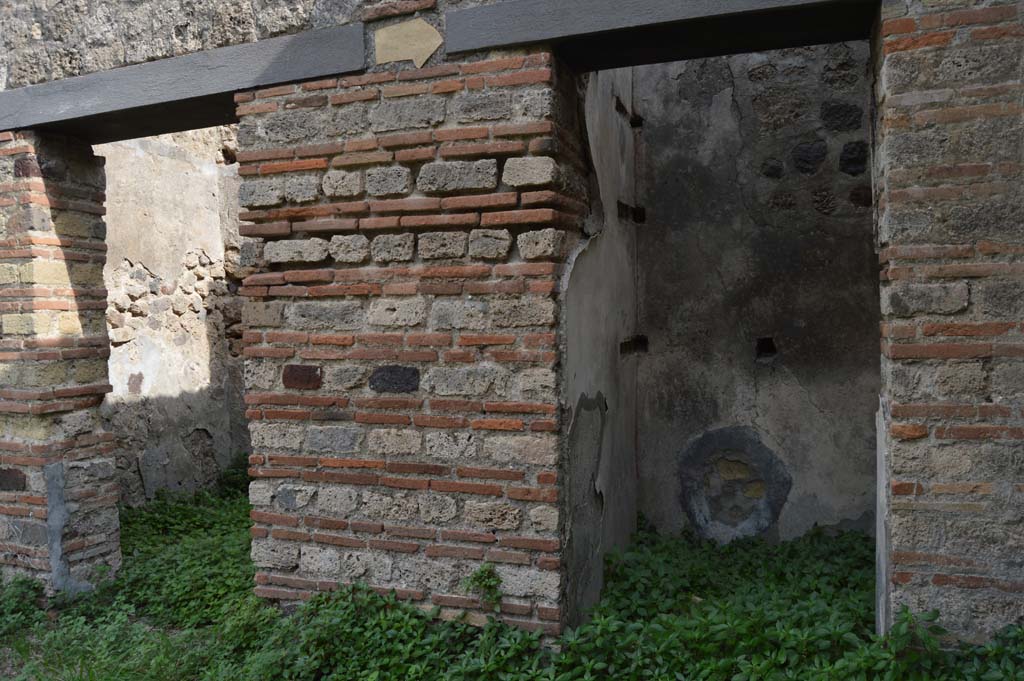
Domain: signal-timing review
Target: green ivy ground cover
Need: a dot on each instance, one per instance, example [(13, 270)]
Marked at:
[(673, 609)]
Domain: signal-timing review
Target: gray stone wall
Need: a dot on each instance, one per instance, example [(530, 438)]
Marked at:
[(758, 292), (173, 263), (42, 41)]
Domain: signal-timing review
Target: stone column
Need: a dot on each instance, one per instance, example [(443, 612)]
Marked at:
[(58, 514), (403, 341), (948, 165)]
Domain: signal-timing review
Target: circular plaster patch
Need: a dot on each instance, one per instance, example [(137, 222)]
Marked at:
[(733, 486)]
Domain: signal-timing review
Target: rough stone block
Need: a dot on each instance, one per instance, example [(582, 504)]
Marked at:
[(961, 379), (494, 515), (64, 223), (25, 532), (533, 171), (393, 248), (294, 497), (275, 436), (397, 311), (489, 244), (260, 313), (451, 446), (544, 519), (261, 492), (482, 106), (544, 243), (333, 439), (437, 508), (445, 177), (520, 449), (394, 378), (1000, 299), (458, 314), (439, 245), (808, 156), (971, 63), (321, 561), (295, 250), (523, 582), (853, 160), (85, 371), (908, 299), (87, 275), (302, 377), (350, 119), (388, 181), (8, 274), (337, 501), (352, 248), (12, 480), (69, 324), (52, 272), (535, 384), (406, 113), (302, 188), (1008, 380), (841, 116), (394, 442), (260, 193), (525, 311), (320, 315), (342, 183), (39, 323), (468, 380), (430, 575), (534, 104), (270, 553), (344, 377), (250, 252), (396, 507)]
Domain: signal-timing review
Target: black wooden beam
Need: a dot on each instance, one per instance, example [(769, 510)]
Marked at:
[(180, 93), (600, 34)]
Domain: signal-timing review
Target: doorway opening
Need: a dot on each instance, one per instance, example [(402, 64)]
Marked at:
[(174, 264), (753, 279)]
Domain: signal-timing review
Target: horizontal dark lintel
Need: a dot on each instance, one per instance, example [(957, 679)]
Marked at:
[(599, 34), (180, 93)]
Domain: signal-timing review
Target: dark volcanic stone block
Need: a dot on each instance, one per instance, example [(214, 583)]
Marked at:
[(392, 378)]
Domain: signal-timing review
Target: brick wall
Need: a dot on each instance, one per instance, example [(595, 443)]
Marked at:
[(57, 491), (405, 341), (403, 344), (948, 180)]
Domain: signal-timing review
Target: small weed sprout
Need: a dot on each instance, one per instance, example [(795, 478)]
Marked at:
[(485, 582)]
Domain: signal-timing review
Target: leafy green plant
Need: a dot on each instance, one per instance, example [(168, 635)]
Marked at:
[(485, 582), (20, 601), (182, 609)]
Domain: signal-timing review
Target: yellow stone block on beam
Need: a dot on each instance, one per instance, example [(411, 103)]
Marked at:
[(415, 40)]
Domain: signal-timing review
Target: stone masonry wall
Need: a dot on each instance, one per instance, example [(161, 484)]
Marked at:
[(41, 41), (402, 339), (58, 495), (174, 264), (948, 164)]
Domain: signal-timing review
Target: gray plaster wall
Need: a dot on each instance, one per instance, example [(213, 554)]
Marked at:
[(756, 185), (173, 264), (599, 383)]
